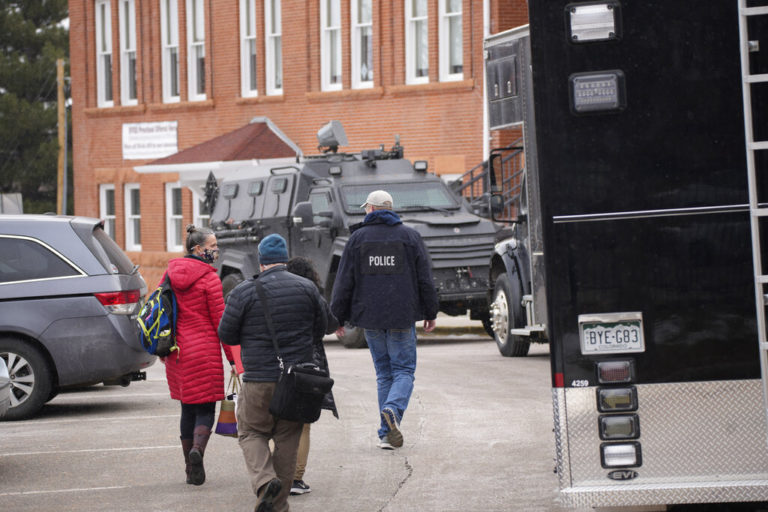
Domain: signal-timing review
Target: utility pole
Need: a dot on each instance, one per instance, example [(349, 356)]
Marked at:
[(61, 199)]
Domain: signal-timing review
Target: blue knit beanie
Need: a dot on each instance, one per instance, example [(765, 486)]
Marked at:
[(272, 249)]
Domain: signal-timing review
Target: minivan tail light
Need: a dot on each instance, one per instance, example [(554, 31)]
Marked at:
[(119, 303)]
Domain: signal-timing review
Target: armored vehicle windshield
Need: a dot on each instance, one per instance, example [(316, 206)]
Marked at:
[(411, 196)]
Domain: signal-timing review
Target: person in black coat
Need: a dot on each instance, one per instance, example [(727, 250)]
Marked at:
[(303, 267), (299, 317), (384, 285)]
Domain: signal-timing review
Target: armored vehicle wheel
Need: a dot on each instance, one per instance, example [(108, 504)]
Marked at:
[(230, 281), (507, 313), (354, 337), (488, 326), (30, 378)]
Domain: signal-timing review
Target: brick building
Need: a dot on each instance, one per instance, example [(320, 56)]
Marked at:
[(154, 77)]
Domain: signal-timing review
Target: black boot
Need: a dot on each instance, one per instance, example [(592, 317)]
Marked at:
[(186, 446), (197, 471)]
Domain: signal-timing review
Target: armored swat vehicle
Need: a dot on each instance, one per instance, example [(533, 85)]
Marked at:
[(313, 201)]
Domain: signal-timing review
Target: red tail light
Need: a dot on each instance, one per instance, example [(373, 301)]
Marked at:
[(121, 303)]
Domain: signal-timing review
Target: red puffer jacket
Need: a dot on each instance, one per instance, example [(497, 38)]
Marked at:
[(195, 372)]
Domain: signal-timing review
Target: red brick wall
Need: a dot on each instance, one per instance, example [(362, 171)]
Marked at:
[(439, 122), (506, 14)]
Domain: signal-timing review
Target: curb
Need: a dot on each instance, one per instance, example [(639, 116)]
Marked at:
[(453, 330)]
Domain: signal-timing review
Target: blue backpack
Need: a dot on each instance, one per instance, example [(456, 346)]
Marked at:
[(157, 321)]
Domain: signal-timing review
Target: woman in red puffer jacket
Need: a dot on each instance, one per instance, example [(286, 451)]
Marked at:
[(195, 372)]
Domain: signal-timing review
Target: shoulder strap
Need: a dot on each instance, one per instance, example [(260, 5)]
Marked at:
[(174, 312), (268, 317)]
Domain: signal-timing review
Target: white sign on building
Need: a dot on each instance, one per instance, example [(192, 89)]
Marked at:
[(143, 141)]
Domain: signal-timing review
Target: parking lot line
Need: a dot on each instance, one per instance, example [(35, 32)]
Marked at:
[(90, 450), (85, 489), (33, 423)]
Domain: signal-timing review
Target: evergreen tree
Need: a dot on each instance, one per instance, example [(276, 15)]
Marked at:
[(32, 37)]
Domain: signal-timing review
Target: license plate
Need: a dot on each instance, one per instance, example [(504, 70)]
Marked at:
[(611, 333)]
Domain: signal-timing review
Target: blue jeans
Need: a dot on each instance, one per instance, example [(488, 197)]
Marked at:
[(394, 358)]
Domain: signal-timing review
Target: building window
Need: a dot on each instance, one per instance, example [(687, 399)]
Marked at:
[(132, 217), (107, 208), (248, 48), (416, 42), (169, 28), (451, 46), (196, 49), (330, 45), (200, 212), (362, 44), (273, 31), (174, 221), (128, 52), (103, 54)]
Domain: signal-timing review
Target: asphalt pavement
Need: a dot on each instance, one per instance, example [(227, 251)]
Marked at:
[(478, 437)]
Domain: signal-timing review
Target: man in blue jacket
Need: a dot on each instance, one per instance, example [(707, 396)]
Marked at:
[(384, 285)]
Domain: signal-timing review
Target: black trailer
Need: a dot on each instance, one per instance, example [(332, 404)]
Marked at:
[(645, 134)]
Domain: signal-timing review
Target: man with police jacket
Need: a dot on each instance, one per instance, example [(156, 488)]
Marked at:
[(384, 285), (299, 316)]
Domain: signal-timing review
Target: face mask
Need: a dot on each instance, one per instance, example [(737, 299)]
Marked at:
[(210, 255)]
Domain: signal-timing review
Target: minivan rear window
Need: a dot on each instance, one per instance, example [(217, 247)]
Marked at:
[(25, 259), (111, 255)]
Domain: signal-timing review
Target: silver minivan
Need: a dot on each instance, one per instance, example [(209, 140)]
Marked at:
[(68, 303)]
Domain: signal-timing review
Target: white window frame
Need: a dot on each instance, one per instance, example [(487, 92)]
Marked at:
[(109, 219), (128, 83), (445, 42), (273, 58), (357, 29), (410, 43), (169, 33), (330, 45), (103, 52), (130, 217), (248, 50), (174, 224), (200, 219), (195, 49)]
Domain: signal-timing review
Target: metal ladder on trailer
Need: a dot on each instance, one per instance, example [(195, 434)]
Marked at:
[(756, 212)]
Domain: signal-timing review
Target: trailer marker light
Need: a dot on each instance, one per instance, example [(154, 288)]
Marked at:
[(620, 455), (625, 426), (616, 399), (593, 22), (614, 372), (597, 92)]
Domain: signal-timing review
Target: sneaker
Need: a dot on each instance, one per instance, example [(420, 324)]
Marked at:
[(384, 444), (271, 490), (299, 487), (394, 436)]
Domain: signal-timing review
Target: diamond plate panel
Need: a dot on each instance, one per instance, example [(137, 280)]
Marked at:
[(701, 442), (563, 462)]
